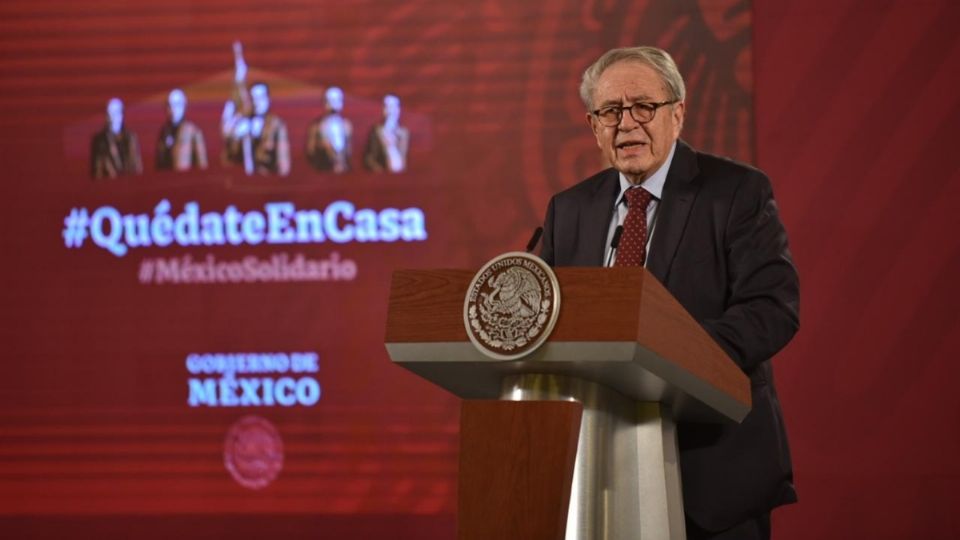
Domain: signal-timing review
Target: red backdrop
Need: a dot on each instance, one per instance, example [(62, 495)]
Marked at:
[(857, 105), (847, 105)]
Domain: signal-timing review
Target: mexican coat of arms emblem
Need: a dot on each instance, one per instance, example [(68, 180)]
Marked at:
[(511, 306)]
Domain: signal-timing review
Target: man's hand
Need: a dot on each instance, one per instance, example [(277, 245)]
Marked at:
[(240, 67)]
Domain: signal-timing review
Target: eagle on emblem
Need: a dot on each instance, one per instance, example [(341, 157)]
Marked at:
[(515, 293)]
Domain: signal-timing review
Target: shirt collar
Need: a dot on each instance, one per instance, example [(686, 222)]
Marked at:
[(653, 184)]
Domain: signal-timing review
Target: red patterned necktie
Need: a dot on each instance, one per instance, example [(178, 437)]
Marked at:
[(632, 250)]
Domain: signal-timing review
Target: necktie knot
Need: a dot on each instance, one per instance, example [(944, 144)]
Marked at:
[(638, 198)]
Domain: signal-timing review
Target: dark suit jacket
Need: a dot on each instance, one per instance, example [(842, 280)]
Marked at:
[(719, 247)]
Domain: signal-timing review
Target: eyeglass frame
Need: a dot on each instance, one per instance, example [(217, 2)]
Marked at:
[(645, 105)]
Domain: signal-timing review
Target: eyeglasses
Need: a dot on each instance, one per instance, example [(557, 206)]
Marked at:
[(642, 112)]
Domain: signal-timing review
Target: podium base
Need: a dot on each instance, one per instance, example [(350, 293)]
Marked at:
[(626, 479), (516, 465)]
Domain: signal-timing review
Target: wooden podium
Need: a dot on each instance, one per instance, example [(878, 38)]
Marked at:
[(576, 440)]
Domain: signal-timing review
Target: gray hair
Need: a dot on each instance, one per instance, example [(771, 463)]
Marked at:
[(658, 59)]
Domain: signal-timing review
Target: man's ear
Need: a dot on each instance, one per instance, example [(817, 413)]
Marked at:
[(679, 112), (595, 127)]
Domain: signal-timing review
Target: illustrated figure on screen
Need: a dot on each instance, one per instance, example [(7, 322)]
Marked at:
[(114, 150), (388, 141), (708, 229), (329, 138), (253, 136), (180, 145)]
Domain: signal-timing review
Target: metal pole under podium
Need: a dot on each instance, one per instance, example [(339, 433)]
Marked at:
[(626, 477)]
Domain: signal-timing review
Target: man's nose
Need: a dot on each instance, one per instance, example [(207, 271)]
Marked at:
[(627, 123)]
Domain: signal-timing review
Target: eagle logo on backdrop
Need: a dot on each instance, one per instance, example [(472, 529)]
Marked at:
[(512, 305), (253, 452)]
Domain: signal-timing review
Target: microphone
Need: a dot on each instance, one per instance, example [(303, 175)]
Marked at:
[(534, 239), (614, 243)]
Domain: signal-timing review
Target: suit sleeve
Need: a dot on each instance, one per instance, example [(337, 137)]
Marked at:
[(546, 250), (762, 311)]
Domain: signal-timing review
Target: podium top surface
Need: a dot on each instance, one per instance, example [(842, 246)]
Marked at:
[(617, 326)]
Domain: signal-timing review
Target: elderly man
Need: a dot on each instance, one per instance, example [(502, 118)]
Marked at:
[(253, 135), (708, 229), (388, 141), (114, 150), (180, 144), (330, 137)]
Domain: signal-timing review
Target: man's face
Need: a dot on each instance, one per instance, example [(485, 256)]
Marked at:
[(115, 114), (176, 105), (391, 108), (261, 99), (334, 97), (637, 150)]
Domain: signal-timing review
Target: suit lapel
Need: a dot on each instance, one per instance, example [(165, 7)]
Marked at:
[(595, 221), (679, 191)]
